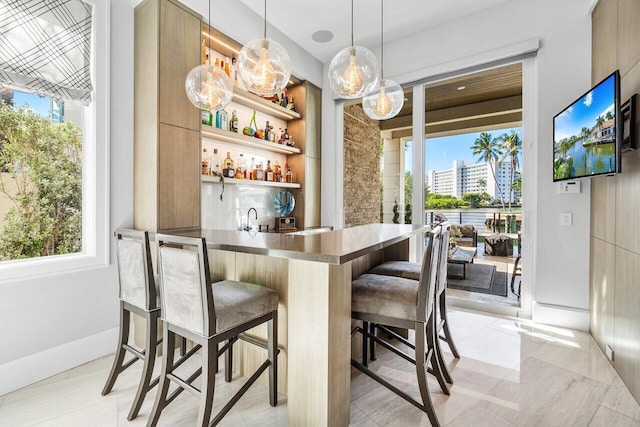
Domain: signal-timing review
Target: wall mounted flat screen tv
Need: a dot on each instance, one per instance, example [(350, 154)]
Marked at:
[(586, 137)]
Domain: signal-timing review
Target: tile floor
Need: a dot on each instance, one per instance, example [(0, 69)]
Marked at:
[(512, 373)]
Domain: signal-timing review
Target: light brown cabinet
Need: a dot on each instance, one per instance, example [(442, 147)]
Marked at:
[(166, 125)]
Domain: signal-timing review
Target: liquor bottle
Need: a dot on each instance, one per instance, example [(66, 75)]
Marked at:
[(205, 162), (233, 124), (272, 136), (234, 71), (268, 130), (288, 177), (259, 173), (222, 119), (268, 172), (285, 98), (241, 168), (222, 64), (277, 172), (281, 136), (229, 171), (207, 117), (227, 67), (291, 106), (217, 64), (216, 163), (252, 169), (286, 137)]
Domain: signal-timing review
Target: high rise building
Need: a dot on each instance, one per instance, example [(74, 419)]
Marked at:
[(466, 177)]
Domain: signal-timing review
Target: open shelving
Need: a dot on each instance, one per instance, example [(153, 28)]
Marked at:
[(233, 181), (247, 141)]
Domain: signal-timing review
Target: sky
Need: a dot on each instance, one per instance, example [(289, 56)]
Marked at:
[(41, 105), (441, 152), (584, 111)]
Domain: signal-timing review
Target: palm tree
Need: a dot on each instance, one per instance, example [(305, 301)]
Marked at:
[(511, 147), (482, 183), (609, 115), (599, 122), (488, 150), (585, 132)]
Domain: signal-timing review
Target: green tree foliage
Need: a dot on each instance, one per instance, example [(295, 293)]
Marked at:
[(511, 148), (475, 200), (439, 201), (488, 150), (45, 161)]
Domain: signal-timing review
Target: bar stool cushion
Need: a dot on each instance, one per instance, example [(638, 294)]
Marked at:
[(238, 302), (405, 269), (389, 296)]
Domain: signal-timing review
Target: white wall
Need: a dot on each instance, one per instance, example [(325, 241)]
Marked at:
[(50, 324), (558, 259)]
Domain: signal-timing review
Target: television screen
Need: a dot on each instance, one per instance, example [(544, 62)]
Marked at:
[(585, 134)]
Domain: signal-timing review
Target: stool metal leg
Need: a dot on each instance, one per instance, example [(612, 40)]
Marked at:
[(123, 338), (372, 343), (168, 348), (272, 334), (365, 352), (422, 359), (149, 361), (209, 357), (445, 327), (228, 361)]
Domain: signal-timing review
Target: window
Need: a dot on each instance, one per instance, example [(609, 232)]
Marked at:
[(53, 136)]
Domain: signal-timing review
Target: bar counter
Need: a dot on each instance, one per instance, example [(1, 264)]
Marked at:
[(332, 247), (312, 274)]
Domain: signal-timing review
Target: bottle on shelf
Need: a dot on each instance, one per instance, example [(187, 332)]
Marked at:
[(291, 106), (252, 169), (234, 71), (205, 162), (222, 119), (277, 172), (288, 177), (268, 172), (216, 163), (222, 64), (217, 63), (233, 123), (229, 170), (284, 101), (227, 67), (281, 136), (259, 173), (268, 130), (207, 117), (241, 168)]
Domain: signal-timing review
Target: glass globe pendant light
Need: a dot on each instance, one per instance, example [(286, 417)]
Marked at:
[(264, 65), (208, 87), (353, 71), (386, 98)]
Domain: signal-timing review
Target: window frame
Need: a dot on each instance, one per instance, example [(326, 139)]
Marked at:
[(95, 171)]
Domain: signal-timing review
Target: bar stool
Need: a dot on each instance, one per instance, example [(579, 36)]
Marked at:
[(402, 303), (138, 294), (411, 270), (209, 314)]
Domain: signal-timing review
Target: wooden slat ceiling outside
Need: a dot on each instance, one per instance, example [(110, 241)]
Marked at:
[(443, 99)]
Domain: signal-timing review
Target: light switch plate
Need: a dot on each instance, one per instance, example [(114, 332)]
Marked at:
[(566, 218), (569, 187)]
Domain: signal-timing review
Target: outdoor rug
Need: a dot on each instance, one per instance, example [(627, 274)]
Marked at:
[(481, 278)]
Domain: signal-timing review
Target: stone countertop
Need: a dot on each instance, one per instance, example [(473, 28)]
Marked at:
[(331, 247)]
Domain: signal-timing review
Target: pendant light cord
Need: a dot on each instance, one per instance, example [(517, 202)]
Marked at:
[(209, 41), (265, 19), (351, 23), (382, 40)]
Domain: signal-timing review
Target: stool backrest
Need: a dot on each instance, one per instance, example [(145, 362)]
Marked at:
[(429, 275), (443, 255), (135, 272), (185, 282)]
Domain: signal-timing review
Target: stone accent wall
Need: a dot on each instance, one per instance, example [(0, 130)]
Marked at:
[(361, 168)]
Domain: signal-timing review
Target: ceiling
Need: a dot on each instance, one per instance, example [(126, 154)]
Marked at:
[(300, 19), (491, 99)]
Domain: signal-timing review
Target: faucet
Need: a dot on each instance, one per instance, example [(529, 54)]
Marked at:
[(248, 226)]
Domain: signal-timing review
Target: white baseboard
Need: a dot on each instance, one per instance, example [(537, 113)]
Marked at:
[(36, 367), (566, 317)]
